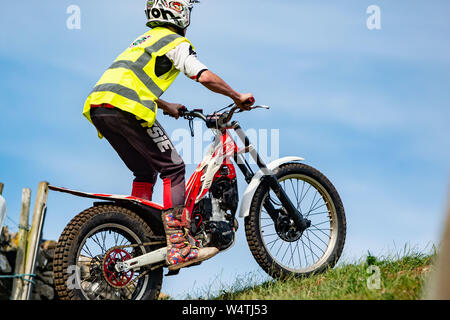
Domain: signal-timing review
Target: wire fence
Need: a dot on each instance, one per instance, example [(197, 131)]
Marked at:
[(26, 242)]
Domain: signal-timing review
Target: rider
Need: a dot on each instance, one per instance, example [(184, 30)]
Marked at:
[(123, 107)]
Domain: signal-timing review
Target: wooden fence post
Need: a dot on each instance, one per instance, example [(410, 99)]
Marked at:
[(17, 288), (437, 286), (34, 236), (2, 207)]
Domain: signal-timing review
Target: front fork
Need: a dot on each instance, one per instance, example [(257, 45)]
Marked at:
[(299, 221), (271, 180)]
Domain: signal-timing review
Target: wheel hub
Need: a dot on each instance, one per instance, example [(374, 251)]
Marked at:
[(286, 229), (117, 279)]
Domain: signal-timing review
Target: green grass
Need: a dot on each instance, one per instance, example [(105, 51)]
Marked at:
[(401, 278)]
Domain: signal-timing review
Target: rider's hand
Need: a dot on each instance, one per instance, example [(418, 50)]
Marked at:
[(173, 109), (243, 101)]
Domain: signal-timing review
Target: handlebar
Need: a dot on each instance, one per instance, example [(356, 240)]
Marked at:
[(196, 113), (220, 118), (216, 120)]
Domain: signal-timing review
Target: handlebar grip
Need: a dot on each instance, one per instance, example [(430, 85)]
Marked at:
[(249, 101), (181, 111)]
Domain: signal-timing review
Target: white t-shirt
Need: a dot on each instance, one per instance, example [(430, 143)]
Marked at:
[(184, 58)]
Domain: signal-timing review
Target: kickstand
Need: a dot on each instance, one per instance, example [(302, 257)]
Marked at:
[(172, 273)]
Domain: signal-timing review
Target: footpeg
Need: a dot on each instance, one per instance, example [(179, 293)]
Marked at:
[(172, 273)]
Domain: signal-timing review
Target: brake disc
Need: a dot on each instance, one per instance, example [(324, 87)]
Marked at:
[(123, 278)]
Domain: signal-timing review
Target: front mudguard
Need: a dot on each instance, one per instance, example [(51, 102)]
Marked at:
[(247, 197)]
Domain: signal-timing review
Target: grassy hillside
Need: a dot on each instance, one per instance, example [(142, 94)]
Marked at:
[(400, 278)]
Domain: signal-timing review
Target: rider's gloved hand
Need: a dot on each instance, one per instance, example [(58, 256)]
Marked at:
[(245, 101), (174, 109), (171, 109)]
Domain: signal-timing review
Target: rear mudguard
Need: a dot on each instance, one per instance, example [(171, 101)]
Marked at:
[(247, 197), (111, 197), (149, 211)]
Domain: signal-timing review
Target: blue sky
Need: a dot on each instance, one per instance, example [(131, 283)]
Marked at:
[(368, 108)]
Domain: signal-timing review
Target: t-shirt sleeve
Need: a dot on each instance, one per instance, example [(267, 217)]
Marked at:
[(184, 59)]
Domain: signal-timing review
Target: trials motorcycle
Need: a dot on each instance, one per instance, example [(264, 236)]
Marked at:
[(293, 216)]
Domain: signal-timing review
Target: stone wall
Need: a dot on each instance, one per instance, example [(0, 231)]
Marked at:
[(43, 288)]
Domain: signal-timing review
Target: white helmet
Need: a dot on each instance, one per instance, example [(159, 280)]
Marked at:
[(167, 12)]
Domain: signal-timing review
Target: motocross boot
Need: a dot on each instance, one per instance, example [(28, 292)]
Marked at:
[(181, 248)]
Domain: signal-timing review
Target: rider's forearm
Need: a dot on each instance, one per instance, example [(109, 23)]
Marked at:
[(214, 83)]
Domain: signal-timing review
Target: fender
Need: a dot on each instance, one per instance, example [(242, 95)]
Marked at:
[(247, 197), (111, 197)]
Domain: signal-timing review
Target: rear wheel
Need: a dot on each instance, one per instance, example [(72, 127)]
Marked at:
[(90, 246), (276, 244)]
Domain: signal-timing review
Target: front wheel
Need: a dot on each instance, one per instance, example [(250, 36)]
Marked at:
[(279, 248)]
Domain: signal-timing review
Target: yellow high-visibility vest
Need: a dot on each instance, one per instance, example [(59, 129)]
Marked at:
[(130, 83)]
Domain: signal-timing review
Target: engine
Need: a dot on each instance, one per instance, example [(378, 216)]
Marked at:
[(214, 221), (222, 234)]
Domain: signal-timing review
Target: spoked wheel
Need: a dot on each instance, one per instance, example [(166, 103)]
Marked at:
[(98, 277), (278, 247), (91, 246)]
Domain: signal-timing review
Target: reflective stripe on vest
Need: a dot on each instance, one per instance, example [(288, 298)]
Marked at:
[(125, 92), (138, 66)]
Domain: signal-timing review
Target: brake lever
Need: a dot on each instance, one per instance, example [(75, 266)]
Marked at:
[(191, 126), (262, 107), (252, 108)]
